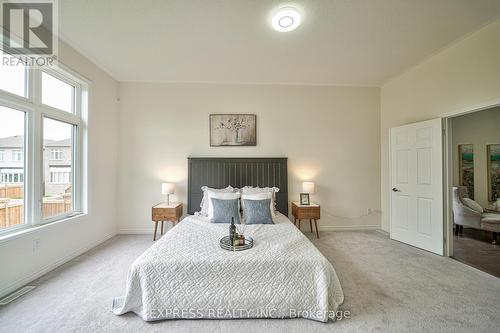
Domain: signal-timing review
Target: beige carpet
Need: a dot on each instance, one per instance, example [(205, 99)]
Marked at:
[(389, 287)]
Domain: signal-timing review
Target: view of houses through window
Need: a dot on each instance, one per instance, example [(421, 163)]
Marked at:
[(52, 176), (12, 124), (57, 165)]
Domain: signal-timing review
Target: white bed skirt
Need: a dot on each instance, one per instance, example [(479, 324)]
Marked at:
[(186, 275)]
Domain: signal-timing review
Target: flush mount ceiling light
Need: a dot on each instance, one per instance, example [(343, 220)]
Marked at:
[(286, 19)]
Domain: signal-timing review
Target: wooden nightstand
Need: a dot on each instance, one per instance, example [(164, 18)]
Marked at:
[(163, 212), (310, 212)]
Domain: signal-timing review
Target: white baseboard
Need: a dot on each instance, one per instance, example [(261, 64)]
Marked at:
[(135, 231), (383, 232), (47, 268)]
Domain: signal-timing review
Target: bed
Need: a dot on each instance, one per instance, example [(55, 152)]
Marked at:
[(186, 275)]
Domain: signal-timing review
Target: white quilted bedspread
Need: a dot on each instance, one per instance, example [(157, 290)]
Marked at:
[(186, 274)]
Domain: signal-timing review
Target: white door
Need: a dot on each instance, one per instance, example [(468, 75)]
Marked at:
[(417, 185)]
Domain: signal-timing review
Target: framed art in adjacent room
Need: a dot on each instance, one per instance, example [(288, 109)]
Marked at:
[(466, 167), (304, 199), (493, 154), (233, 130)]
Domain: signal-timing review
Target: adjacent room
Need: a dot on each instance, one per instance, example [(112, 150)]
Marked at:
[(476, 191), (264, 166)]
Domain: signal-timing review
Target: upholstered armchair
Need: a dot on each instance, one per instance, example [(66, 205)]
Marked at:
[(465, 216)]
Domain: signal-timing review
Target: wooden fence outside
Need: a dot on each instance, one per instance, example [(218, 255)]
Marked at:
[(11, 191), (12, 211), (58, 206)]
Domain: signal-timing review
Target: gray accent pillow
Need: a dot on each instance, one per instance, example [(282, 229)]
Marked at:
[(224, 210), (257, 212)]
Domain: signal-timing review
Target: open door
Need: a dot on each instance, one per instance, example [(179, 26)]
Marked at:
[(417, 185)]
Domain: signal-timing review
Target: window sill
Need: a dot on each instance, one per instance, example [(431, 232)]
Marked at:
[(29, 229)]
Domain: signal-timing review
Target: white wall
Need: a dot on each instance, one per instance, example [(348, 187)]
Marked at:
[(463, 76), (331, 135), (479, 129), (61, 241)]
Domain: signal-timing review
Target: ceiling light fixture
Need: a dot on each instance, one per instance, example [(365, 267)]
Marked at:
[(286, 19)]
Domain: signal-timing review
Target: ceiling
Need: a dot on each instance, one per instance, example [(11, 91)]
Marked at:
[(340, 42)]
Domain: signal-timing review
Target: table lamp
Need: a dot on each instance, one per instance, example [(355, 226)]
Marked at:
[(167, 189), (307, 189)]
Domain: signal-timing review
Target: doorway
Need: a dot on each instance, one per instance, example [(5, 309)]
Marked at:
[(472, 183), (416, 214)]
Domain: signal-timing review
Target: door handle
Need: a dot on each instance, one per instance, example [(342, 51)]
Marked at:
[(395, 190)]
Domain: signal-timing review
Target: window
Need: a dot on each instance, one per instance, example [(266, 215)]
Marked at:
[(12, 202), (56, 154), (48, 167), (60, 175), (57, 93), (11, 176), (13, 75), (58, 183), (17, 155)]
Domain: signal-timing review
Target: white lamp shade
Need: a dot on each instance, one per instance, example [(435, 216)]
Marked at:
[(308, 187), (167, 188)]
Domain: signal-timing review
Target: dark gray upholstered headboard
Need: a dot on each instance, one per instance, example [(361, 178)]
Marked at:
[(237, 172)]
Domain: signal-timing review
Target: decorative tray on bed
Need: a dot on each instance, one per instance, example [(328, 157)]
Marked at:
[(225, 243)]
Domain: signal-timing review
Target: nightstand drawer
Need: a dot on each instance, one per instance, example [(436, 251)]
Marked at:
[(308, 213), (167, 213), (164, 216), (302, 212)]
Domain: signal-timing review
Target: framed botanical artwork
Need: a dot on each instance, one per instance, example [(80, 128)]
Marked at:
[(493, 155), (304, 199), (466, 167), (233, 130)]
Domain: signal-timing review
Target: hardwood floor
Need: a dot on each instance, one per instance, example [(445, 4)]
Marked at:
[(473, 247)]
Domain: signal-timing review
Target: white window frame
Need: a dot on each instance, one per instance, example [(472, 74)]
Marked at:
[(35, 112), (2, 155), (26, 85), (64, 79)]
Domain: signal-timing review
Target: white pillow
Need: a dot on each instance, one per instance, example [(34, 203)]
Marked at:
[(205, 202), (255, 190), (220, 196), (258, 196), (473, 205)]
